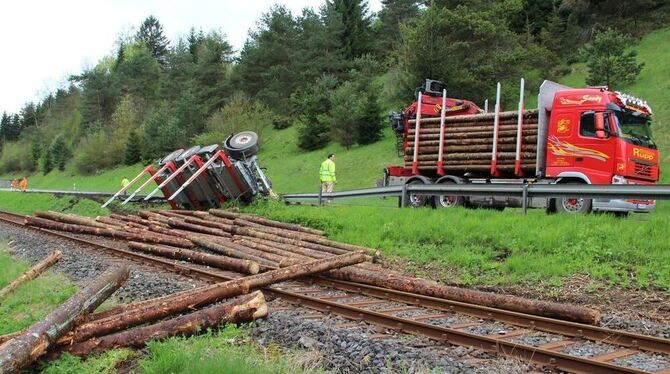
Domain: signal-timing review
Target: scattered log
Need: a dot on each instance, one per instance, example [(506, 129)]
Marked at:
[(430, 288), (125, 316), (130, 218), (225, 214), (218, 225), (111, 221), (281, 225), (187, 234), (142, 237), (233, 250), (221, 262), (153, 216), (69, 218), (32, 343), (246, 309), (254, 233), (32, 273), (179, 224)]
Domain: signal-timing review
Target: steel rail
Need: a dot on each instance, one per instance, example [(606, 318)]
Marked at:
[(572, 329), (608, 191), (539, 356)]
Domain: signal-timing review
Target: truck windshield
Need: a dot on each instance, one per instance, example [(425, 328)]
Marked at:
[(635, 128)]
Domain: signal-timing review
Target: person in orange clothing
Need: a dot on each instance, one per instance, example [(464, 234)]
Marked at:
[(23, 184), (15, 184)]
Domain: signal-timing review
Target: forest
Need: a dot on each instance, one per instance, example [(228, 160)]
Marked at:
[(332, 72)]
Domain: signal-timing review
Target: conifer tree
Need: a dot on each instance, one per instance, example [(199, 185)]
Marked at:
[(151, 34)]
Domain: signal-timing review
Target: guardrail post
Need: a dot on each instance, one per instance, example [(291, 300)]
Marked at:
[(403, 196), (524, 198), (321, 195)]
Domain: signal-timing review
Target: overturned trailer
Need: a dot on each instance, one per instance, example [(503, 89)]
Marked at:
[(205, 177)]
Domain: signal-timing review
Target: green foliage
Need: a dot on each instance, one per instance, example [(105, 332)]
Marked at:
[(355, 34), (98, 151), (608, 61), (28, 203), (13, 158), (47, 163), (133, 152), (239, 114), (313, 124), (59, 152), (138, 75), (151, 35), (468, 49), (394, 13), (105, 363)]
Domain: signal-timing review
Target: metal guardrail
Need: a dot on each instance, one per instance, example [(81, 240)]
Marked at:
[(524, 191), (90, 194)]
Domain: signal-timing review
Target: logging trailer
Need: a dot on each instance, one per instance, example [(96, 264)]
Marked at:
[(576, 136), (201, 178)]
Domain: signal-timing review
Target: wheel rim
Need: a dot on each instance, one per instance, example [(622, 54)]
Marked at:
[(417, 200), (448, 201), (573, 204)]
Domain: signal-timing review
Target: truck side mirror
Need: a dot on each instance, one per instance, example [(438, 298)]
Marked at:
[(600, 126)]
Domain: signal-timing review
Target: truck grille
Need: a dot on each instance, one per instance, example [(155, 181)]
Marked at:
[(643, 170)]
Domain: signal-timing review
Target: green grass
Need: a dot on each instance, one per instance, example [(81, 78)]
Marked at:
[(28, 203), (225, 351), (490, 247), (32, 300)]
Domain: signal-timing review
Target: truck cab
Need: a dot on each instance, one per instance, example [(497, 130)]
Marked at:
[(597, 136)]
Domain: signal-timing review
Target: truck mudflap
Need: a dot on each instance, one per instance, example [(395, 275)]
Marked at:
[(621, 205)]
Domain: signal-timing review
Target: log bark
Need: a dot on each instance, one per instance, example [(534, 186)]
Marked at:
[(179, 224), (111, 221), (31, 344), (203, 222), (470, 148), (130, 218), (221, 262), (472, 129), (225, 214), (281, 225), (233, 250), (153, 216), (247, 309), (479, 168), (169, 231), (142, 237), (126, 316), (430, 288), (506, 140), (481, 117), (473, 156), (245, 231), (32, 273), (450, 135), (69, 218)]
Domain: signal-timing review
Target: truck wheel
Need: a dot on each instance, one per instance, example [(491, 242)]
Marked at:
[(241, 145), (416, 200), (444, 201), (574, 205)]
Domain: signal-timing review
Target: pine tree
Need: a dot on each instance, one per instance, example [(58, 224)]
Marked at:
[(393, 14), (133, 153), (608, 61), (371, 124), (355, 35), (314, 123), (5, 123), (47, 163), (151, 34), (59, 152)]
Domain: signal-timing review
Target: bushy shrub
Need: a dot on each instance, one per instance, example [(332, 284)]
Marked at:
[(98, 151), (16, 156), (240, 114)]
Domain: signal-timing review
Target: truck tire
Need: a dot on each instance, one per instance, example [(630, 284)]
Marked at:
[(415, 200), (573, 205), (241, 145), (444, 201)]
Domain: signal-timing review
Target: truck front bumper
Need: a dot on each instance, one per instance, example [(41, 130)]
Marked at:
[(620, 205)]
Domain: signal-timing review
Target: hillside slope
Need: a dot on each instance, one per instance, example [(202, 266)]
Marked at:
[(292, 170)]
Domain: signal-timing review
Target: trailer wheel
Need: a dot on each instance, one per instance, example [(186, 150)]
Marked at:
[(444, 201), (241, 145), (573, 205), (416, 200)]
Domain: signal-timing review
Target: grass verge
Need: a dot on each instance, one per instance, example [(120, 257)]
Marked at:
[(27, 203), (500, 248)]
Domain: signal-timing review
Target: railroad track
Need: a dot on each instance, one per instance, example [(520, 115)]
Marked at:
[(545, 342)]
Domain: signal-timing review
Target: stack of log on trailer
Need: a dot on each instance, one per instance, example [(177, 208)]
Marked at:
[(468, 142)]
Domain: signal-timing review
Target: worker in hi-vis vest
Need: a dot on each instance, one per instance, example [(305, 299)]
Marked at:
[(327, 174)]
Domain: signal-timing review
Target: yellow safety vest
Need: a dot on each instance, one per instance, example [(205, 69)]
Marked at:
[(327, 171)]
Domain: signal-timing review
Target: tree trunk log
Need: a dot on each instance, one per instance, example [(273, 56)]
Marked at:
[(69, 218), (246, 309), (531, 113), (32, 273), (31, 344), (221, 262), (203, 222), (179, 224), (233, 250)]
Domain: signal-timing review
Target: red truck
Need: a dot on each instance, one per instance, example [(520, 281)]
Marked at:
[(587, 135)]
